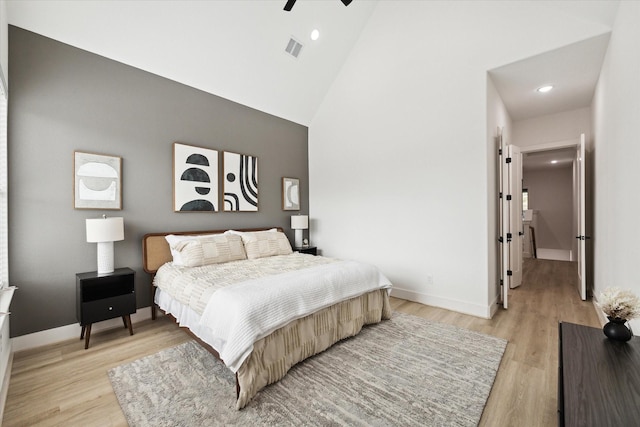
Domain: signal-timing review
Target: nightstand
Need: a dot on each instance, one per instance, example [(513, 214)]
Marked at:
[(311, 250), (104, 296)]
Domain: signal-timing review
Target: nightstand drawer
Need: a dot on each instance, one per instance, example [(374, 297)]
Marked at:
[(107, 308)]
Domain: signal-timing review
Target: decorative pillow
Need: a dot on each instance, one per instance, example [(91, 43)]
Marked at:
[(260, 244), (195, 251), (173, 240)]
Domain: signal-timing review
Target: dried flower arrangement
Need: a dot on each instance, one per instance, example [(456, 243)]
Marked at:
[(619, 304)]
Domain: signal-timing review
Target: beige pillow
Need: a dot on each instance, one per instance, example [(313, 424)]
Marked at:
[(173, 240), (260, 244), (214, 249)]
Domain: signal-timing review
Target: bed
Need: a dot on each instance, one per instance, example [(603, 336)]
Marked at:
[(257, 305)]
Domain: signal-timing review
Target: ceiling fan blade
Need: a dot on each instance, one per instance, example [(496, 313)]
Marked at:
[(290, 4), (346, 2)]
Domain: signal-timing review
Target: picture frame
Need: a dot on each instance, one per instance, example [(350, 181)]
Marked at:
[(195, 179), (240, 182), (290, 194), (97, 181)]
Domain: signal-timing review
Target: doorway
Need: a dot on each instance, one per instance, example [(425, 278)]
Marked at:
[(552, 176), (550, 219)]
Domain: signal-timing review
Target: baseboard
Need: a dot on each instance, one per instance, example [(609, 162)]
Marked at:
[(601, 316), (494, 306), (486, 312), (63, 333)]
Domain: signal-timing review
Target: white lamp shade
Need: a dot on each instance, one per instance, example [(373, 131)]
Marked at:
[(300, 222), (105, 229)]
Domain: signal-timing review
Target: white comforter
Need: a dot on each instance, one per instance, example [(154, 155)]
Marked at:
[(245, 312)]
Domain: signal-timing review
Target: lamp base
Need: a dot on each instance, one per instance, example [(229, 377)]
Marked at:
[(105, 257), (298, 238)]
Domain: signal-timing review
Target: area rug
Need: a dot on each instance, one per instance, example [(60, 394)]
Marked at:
[(406, 371)]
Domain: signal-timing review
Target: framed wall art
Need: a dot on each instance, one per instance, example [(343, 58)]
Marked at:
[(195, 179), (97, 181), (290, 194), (240, 182)]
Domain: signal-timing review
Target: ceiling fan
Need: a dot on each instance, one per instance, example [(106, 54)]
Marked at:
[(290, 4)]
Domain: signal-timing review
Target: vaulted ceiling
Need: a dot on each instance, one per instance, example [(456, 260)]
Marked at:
[(236, 49)]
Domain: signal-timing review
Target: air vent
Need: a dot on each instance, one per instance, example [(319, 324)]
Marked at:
[(294, 47)]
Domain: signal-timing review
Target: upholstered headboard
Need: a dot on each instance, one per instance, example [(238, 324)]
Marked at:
[(155, 249)]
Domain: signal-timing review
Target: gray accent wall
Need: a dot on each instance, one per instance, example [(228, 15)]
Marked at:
[(63, 99)]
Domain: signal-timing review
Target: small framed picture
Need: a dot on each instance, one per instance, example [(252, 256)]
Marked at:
[(97, 181), (290, 194)]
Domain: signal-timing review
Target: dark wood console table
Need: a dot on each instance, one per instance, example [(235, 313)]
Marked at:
[(598, 379)]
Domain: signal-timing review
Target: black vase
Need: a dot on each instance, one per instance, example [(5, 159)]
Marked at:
[(616, 330)]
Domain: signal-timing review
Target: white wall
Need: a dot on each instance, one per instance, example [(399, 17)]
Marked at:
[(399, 170), (497, 117), (552, 128), (616, 111)]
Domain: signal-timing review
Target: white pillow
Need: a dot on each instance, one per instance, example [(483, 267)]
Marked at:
[(174, 239), (212, 249), (260, 244)]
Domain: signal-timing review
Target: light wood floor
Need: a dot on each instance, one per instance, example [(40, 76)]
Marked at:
[(63, 384)]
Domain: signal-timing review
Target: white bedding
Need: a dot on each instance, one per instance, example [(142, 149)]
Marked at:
[(237, 314)]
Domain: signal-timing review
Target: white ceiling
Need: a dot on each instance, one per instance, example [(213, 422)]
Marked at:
[(539, 160), (230, 48), (572, 70), (235, 49)]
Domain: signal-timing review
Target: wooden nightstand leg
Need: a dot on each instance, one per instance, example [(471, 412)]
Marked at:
[(128, 323), (82, 333), (87, 336), (124, 321)]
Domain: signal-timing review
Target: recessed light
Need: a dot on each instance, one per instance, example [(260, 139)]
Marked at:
[(553, 162), (315, 34), (545, 89)]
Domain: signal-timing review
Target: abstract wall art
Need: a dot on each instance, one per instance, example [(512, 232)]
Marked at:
[(195, 179), (97, 181), (290, 194), (240, 182)]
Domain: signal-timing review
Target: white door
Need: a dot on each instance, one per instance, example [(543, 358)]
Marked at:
[(582, 234), (503, 213), (516, 229), (511, 231)]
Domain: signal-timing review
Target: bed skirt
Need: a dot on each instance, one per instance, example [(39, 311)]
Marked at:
[(274, 355)]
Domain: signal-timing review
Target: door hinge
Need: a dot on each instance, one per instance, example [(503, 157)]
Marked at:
[(520, 233), (509, 273), (500, 239), (500, 195), (500, 151), (509, 236), (508, 196), (508, 159)]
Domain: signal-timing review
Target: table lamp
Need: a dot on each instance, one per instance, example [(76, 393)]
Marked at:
[(299, 223), (104, 231)]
